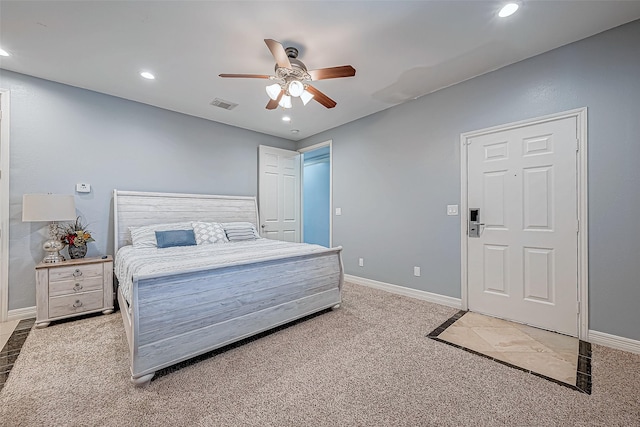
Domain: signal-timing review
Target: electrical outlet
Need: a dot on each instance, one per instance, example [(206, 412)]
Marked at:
[(416, 271), (361, 262)]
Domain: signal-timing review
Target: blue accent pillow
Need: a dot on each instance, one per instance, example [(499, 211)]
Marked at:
[(171, 238)]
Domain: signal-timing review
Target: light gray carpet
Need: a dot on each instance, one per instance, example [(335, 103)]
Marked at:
[(368, 364)]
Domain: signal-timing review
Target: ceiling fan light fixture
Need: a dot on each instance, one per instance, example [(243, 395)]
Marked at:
[(306, 97), (273, 91), (285, 101), (295, 88), (292, 74), (508, 10)]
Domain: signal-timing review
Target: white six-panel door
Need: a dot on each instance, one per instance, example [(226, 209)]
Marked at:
[(523, 267), (279, 193)]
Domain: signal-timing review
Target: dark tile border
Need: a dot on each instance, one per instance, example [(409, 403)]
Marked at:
[(450, 321), (583, 376), (583, 372), (12, 348)]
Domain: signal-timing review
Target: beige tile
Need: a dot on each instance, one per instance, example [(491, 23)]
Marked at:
[(510, 339), (564, 346), (8, 327), (465, 337), (476, 319), (3, 340), (546, 353), (548, 364)]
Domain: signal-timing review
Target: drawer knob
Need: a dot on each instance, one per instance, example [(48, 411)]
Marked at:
[(77, 287), (77, 273), (77, 304)]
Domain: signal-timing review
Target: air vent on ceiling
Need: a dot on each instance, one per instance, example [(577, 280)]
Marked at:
[(227, 105)]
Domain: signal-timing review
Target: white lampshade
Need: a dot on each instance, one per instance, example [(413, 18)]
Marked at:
[(48, 207), (285, 101), (273, 91), (295, 88), (306, 97)]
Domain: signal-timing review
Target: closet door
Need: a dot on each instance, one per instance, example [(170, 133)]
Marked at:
[(279, 193)]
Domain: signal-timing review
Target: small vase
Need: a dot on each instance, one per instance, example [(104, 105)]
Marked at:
[(76, 252)]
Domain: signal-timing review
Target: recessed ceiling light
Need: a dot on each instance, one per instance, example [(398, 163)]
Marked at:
[(4, 52), (147, 75), (508, 10), (294, 131), (286, 119)]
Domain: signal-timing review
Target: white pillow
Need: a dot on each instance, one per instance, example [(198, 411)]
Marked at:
[(237, 231), (145, 236), (209, 232)]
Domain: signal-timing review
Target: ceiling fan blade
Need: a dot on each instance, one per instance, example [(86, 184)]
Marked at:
[(333, 72), (246, 76), (278, 53), (321, 97), (273, 103)]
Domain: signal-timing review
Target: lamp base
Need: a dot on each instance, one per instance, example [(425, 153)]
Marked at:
[(53, 257), (53, 247)]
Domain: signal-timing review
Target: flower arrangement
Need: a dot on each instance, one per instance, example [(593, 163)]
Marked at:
[(76, 234)]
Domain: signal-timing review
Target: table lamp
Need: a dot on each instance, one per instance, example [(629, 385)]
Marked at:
[(53, 208)]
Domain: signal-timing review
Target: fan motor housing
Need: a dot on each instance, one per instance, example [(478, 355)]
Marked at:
[(298, 70)]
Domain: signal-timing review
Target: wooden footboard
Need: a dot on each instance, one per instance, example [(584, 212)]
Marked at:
[(177, 317)]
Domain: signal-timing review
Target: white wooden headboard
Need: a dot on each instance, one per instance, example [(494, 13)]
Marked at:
[(135, 208)]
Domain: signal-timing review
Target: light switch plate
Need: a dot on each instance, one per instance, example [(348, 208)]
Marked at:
[(452, 209), (83, 188), (338, 211)]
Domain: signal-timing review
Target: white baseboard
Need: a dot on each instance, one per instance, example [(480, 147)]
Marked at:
[(408, 292), (614, 341), (22, 313)]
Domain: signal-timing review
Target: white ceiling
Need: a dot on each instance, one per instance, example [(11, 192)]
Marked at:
[(400, 49)]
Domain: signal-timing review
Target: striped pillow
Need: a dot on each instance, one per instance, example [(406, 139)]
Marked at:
[(238, 231)]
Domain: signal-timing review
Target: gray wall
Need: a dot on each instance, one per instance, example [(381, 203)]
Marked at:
[(62, 135), (395, 171)]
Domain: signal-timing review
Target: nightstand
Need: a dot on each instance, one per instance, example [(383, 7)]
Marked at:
[(70, 288)]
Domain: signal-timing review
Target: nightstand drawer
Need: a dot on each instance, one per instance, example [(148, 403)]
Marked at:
[(78, 272), (71, 287), (72, 304)]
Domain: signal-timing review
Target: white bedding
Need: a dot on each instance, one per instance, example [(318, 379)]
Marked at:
[(142, 262)]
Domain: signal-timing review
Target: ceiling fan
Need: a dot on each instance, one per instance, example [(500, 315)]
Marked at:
[(294, 78)]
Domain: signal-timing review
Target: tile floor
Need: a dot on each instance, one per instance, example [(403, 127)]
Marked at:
[(12, 336), (547, 354), (6, 329)]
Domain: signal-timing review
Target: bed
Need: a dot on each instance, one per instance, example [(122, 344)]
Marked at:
[(180, 302)]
